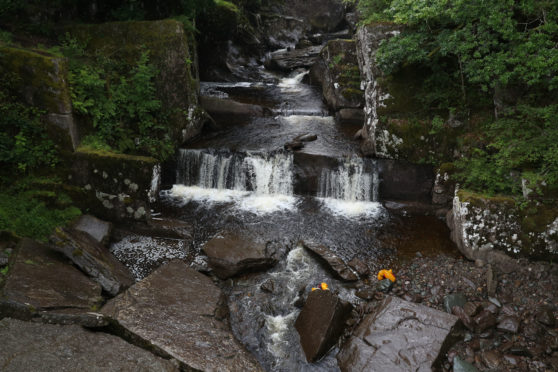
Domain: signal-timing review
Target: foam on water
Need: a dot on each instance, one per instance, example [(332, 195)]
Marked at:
[(243, 200), (351, 208), (278, 327)]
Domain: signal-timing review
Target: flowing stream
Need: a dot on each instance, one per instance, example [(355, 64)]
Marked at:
[(240, 179)]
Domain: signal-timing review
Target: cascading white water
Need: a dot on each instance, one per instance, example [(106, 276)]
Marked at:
[(264, 174), (351, 181)]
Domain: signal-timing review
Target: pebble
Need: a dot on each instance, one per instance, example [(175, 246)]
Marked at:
[(508, 324)]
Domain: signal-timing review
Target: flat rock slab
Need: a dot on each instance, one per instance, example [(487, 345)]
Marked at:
[(399, 336), (292, 59), (28, 346), (173, 310), (335, 263), (98, 229), (232, 254), (94, 259), (320, 323), (44, 284)]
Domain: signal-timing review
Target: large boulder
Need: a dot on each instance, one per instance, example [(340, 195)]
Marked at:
[(320, 323), (94, 259), (399, 336), (43, 285), (228, 110), (337, 71), (483, 226), (232, 254), (289, 60), (43, 347), (43, 83), (175, 310), (334, 262), (96, 228)]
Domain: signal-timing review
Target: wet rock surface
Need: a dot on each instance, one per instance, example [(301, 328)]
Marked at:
[(399, 336), (30, 346), (43, 285), (98, 229), (232, 254), (94, 259), (289, 60), (508, 337), (321, 322), (175, 310), (335, 263), (230, 109)]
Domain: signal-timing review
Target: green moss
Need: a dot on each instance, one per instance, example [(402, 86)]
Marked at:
[(448, 168), (483, 201), (43, 77), (77, 253), (84, 150), (352, 94), (29, 262), (535, 217)]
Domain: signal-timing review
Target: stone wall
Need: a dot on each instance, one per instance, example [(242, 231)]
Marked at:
[(116, 186), (481, 225)]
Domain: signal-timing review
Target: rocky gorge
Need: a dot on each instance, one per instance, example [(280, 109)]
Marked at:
[(294, 166)]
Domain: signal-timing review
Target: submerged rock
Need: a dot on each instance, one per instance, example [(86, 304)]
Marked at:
[(94, 259), (42, 284), (98, 229), (454, 299), (232, 254), (175, 310), (30, 346), (399, 336), (335, 263), (321, 322)]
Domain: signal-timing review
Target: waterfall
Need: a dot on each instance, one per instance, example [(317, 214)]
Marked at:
[(355, 179), (262, 173)]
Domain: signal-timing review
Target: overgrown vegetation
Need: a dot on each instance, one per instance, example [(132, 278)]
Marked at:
[(479, 53), (120, 102), (24, 143), (32, 209)]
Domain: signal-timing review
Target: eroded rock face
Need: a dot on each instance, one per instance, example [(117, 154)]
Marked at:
[(94, 259), (320, 323), (232, 254), (329, 17), (290, 60), (98, 229), (42, 284), (174, 310), (335, 263), (399, 336), (30, 346)]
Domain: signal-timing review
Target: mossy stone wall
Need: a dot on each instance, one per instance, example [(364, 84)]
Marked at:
[(115, 186), (44, 84), (171, 50)]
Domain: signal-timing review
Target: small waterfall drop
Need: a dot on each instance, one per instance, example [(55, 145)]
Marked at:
[(355, 179), (262, 173)]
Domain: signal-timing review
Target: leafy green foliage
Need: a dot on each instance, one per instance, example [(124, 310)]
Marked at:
[(120, 103), (522, 144), (24, 144), (30, 217)]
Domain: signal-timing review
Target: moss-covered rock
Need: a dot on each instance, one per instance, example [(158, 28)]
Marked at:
[(115, 186), (43, 84), (336, 70), (171, 50), (481, 224)]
